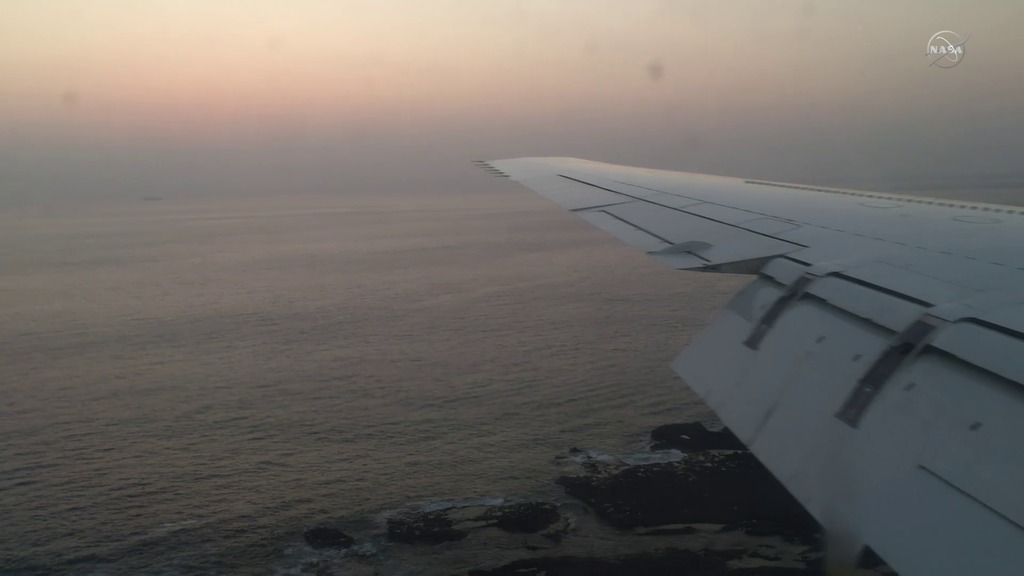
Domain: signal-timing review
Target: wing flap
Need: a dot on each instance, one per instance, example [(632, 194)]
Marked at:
[(886, 311), (926, 526), (953, 406), (994, 351)]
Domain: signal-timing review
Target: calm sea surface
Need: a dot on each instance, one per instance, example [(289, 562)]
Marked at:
[(189, 384)]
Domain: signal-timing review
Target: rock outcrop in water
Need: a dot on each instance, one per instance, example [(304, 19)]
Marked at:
[(524, 518), (326, 537), (670, 562), (693, 437), (697, 503), (432, 527), (455, 522), (731, 489)]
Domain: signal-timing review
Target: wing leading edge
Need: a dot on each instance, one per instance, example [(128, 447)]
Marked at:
[(873, 363)]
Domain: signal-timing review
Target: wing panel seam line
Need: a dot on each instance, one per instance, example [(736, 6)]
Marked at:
[(645, 231), (584, 182), (940, 478), (802, 223), (599, 206)]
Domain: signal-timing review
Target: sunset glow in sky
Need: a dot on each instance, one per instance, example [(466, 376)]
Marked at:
[(727, 78)]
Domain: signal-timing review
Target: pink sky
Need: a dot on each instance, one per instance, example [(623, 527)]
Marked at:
[(722, 72)]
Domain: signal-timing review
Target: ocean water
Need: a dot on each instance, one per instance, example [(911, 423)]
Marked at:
[(189, 383)]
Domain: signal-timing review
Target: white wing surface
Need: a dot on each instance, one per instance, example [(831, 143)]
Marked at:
[(875, 364)]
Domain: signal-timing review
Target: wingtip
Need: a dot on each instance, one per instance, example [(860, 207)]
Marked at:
[(490, 169)]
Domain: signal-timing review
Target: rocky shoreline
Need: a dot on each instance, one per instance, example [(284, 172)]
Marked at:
[(696, 503)]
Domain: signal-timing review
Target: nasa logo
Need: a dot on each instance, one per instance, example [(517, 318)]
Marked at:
[(945, 49)]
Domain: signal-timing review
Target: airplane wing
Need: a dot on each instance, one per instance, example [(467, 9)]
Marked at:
[(875, 364)]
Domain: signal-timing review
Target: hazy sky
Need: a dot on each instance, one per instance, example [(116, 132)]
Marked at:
[(195, 96)]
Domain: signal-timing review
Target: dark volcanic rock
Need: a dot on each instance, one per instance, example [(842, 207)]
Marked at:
[(432, 527), (774, 571), (324, 537), (528, 517), (664, 562), (709, 488), (455, 522), (794, 533), (693, 437), (656, 563), (669, 531)]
